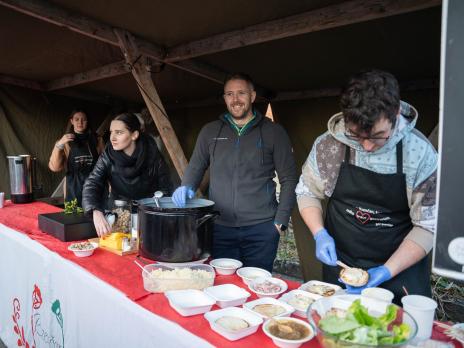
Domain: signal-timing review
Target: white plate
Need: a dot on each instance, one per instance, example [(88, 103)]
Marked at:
[(198, 262), (269, 300), (338, 289), (227, 295), (189, 302), (291, 294), (252, 319)]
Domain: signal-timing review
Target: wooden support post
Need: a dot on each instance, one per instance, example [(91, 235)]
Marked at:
[(150, 95)]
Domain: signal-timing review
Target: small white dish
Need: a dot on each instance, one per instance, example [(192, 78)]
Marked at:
[(83, 249), (299, 305), (253, 321), (285, 343), (225, 266), (249, 273), (189, 302), (269, 301), (227, 295), (264, 281), (321, 289)]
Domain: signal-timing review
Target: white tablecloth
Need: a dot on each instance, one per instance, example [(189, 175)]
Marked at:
[(48, 301)]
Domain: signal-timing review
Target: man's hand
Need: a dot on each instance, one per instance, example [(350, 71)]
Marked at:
[(180, 195), (377, 276), (325, 248)]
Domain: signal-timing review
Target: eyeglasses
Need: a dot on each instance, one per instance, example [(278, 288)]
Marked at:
[(375, 140)]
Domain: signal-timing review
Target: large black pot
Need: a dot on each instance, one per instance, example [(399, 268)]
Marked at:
[(171, 234)]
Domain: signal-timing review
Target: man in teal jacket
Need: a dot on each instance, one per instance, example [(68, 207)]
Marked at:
[(243, 151)]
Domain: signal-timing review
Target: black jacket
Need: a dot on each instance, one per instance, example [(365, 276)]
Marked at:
[(242, 169), (153, 177)]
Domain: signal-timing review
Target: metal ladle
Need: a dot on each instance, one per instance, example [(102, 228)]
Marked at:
[(156, 196)]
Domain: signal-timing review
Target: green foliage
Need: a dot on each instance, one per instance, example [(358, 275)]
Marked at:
[(71, 207)]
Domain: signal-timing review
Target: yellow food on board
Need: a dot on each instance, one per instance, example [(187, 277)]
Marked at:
[(114, 240)]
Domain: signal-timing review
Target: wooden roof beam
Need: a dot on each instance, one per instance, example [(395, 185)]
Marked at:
[(150, 95), (10, 80), (407, 86), (349, 12), (103, 72), (89, 27)]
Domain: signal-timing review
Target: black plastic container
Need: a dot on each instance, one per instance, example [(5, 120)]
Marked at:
[(171, 234)]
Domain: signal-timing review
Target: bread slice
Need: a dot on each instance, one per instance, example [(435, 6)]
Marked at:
[(269, 310), (232, 323), (354, 276)]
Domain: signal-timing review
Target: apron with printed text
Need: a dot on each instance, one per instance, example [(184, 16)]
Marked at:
[(368, 217)]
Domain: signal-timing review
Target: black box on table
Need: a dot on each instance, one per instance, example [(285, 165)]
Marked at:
[(67, 227)]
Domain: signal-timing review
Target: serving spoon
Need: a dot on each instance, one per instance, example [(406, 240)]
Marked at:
[(343, 265)]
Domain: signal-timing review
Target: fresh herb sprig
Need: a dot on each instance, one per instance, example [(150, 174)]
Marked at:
[(71, 207)]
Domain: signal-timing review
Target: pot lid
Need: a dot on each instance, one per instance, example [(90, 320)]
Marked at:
[(167, 203)]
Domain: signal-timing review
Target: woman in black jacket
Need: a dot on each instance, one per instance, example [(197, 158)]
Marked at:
[(131, 165)]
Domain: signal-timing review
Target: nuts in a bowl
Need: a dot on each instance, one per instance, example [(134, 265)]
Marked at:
[(83, 249)]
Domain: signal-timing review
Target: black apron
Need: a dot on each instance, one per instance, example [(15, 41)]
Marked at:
[(368, 217), (82, 158)]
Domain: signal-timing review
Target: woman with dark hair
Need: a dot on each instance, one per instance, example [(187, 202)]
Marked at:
[(132, 166), (76, 151)]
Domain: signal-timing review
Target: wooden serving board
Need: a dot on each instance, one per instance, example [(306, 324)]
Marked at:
[(114, 251)]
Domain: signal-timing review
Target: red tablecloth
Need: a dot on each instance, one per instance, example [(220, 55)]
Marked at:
[(123, 274)]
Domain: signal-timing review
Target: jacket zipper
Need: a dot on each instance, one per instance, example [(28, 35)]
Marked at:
[(234, 183)]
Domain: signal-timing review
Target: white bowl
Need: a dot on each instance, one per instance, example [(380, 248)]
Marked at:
[(227, 295), (269, 300), (252, 319), (226, 266), (279, 282), (249, 273), (306, 287), (301, 312), (83, 253), (189, 302), (284, 343)]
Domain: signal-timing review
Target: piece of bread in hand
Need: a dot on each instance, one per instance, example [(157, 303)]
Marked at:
[(354, 276)]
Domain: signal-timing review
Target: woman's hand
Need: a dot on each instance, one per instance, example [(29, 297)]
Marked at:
[(101, 225), (66, 139)]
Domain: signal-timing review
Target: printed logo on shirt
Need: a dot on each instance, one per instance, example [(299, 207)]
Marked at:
[(220, 138), (85, 160)]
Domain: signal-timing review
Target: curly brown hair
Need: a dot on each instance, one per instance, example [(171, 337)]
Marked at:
[(368, 96)]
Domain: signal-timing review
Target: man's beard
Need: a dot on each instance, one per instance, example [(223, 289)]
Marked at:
[(241, 116)]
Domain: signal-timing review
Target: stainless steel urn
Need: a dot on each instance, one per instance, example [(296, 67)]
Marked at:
[(20, 168)]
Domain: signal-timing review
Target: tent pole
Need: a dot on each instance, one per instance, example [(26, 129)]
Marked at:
[(142, 76)]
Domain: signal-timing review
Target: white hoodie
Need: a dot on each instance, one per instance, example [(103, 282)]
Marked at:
[(320, 171)]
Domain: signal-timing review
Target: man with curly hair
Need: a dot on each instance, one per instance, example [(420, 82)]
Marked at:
[(379, 175)]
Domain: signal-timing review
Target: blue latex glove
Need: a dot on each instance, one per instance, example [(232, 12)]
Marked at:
[(325, 248), (180, 195), (377, 276)]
